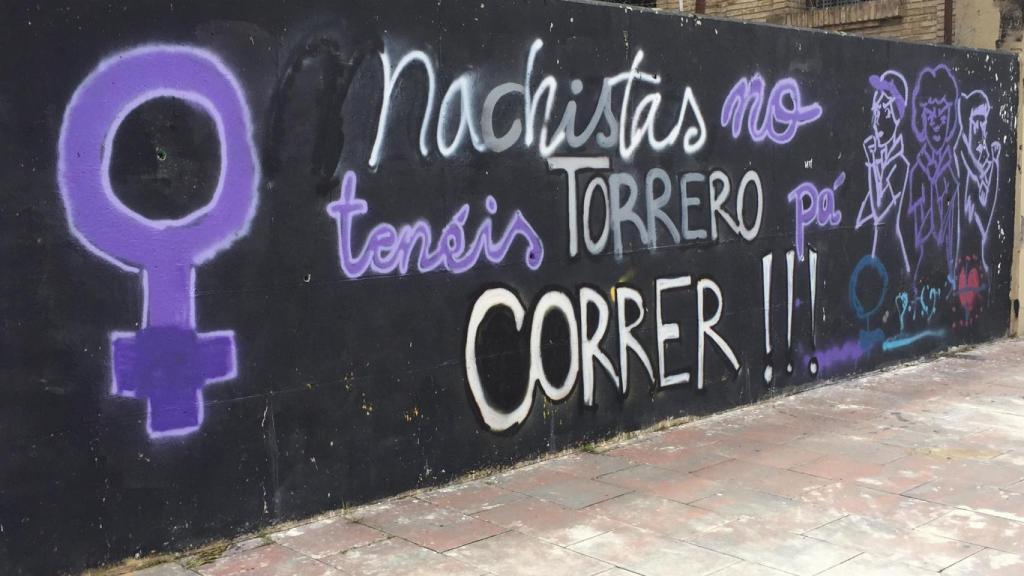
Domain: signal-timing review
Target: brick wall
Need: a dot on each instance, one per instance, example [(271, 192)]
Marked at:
[(914, 20), (922, 21), (751, 10), (688, 5)]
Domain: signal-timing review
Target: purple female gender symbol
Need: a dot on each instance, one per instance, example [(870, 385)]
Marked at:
[(167, 363)]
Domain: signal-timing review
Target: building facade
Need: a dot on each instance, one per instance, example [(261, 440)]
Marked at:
[(993, 24)]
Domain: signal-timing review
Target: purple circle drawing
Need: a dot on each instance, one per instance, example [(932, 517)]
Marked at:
[(116, 87)]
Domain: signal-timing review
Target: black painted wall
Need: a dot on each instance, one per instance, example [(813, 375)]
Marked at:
[(191, 345)]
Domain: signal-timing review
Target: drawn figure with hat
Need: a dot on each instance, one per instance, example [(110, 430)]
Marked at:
[(886, 162)]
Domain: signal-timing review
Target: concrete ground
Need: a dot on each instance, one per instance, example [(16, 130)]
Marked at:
[(914, 471)]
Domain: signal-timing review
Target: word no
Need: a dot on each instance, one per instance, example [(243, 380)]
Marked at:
[(784, 109)]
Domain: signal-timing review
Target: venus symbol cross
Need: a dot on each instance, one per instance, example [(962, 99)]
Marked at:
[(168, 362)]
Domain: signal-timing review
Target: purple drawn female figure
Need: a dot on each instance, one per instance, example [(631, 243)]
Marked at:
[(886, 162), (929, 213), (979, 170)]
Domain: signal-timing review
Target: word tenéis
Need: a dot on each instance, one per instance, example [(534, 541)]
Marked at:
[(388, 248), (624, 125)]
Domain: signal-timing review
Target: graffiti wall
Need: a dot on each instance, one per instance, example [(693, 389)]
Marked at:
[(264, 259)]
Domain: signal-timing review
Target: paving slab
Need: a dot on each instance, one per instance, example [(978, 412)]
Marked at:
[(981, 529), (326, 537), (973, 495), (664, 482), (430, 526), (989, 563), (763, 544), (871, 565), (750, 569), (649, 554), (854, 498), (745, 474), (586, 464), (659, 515), (514, 554), (548, 521), (577, 492), (471, 497), (397, 557), (898, 544), (269, 560), (733, 501)]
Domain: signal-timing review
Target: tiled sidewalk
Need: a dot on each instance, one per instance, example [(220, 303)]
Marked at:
[(914, 471)]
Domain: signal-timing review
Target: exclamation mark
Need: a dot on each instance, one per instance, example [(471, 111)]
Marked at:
[(812, 270), (790, 267), (766, 273)]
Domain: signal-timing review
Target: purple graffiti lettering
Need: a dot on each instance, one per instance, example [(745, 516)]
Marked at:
[(777, 120), (167, 363), (815, 207), (388, 248)]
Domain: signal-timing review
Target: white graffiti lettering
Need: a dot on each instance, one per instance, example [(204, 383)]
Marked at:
[(622, 119), (585, 341), (703, 201)]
